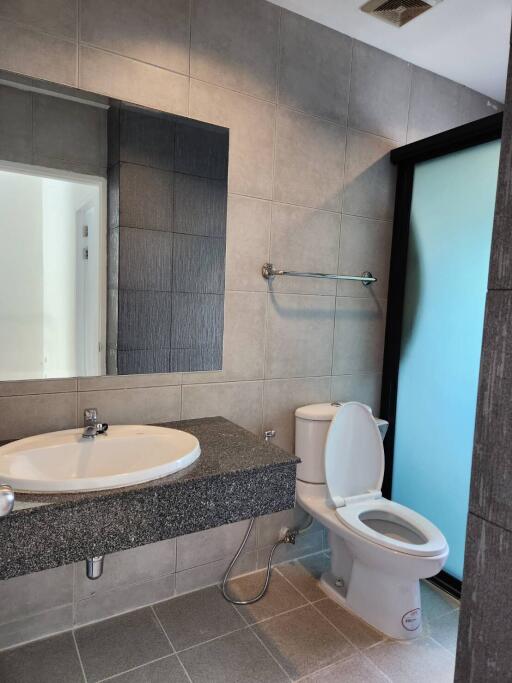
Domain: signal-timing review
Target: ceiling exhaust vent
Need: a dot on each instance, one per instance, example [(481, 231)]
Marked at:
[(397, 12)]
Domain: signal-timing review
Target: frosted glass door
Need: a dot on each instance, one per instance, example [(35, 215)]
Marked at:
[(447, 268)]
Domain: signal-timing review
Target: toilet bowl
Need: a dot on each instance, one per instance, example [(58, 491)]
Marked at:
[(379, 549)]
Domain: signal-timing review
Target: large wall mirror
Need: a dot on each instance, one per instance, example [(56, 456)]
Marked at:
[(112, 233)]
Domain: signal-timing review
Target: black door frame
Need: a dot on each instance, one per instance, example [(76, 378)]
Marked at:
[(405, 158)]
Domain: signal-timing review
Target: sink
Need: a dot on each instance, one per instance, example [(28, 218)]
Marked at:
[(61, 462)]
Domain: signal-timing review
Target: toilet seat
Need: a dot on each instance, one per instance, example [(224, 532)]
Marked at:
[(430, 542)]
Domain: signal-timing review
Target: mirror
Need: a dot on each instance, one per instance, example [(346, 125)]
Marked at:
[(113, 233)]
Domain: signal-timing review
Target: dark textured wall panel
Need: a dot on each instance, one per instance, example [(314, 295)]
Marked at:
[(144, 320), (147, 138), (16, 125), (143, 361), (198, 264), (197, 320), (484, 653), (491, 483), (145, 259), (145, 197), (201, 150), (200, 205)]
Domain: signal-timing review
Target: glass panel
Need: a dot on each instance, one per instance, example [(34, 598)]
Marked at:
[(447, 268)]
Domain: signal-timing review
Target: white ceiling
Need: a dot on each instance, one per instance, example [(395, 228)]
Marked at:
[(465, 40)]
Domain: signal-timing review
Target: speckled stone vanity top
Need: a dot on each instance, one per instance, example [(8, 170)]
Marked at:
[(237, 476)]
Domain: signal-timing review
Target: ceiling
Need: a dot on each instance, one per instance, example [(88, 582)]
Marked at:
[(465, 40)]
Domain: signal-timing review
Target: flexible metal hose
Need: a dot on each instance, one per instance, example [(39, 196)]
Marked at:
[(289, 537)]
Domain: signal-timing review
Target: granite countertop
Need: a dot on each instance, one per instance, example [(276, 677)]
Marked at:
[(237, 476)]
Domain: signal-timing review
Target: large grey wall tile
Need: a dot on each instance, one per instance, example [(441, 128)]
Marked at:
[(473, 105), (156, 32), (244, 340), (299, 336), (144, 320), (370, 178), (240, 402), (380, 87), (145, 259), (483, 652), (310, 156), (212, 573), (28, 628), (365, 245), (133, 81), (199, 205), (208, 546), (146, 197), (235, 45), (37, 54), (281, 397), (201, 150), (362, 386), (34, 414), (251, 135), (123, 599), (198, 264), (15, 125), (146, 139), (359, 335), (248, 242), (133, 406), (131, 382), (38, 386), (304, 240), (51, 16), (128, 567), (34, 593), (69, 132), (434, 105), (314, 68), (492, 474)]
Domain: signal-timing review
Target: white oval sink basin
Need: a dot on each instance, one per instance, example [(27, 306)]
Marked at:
[(61, 462)]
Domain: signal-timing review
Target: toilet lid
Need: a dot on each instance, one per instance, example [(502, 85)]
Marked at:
[(354, 454)]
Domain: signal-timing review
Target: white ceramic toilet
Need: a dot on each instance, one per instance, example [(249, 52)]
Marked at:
[(379, 549)]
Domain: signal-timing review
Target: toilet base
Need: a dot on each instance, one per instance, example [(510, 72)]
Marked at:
[(390, 605)]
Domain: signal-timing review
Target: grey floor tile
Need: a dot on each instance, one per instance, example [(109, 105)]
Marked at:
[(53, 660), (421, 660), (435, 603), (236, 658), (357, 669), (196, 617), (356, 630), (445, 629), (167, 670), (303, 641), (280, 597), (305, 574), (116, 645)]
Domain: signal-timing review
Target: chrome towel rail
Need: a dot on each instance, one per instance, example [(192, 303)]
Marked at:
[(269, 272)]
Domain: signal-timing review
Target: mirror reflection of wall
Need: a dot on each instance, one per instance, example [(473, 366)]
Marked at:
[(124, 275)]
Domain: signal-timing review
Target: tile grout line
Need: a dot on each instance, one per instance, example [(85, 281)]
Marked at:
[(78, 654), (134, 668)]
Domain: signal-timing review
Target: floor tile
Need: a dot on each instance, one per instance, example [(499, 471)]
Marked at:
[(305, 573), (280, 597), (435, 602), (421, 661), (356, 630), (196, 617), (357, 669), (52, 660), (167, 670), (445, 630), (116, 645), (236, 658), (303, 641)]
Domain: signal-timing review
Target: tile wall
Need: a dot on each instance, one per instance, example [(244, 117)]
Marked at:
[(312, 115)]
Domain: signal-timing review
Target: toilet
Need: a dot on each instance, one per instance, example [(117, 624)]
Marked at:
[(379, 549)]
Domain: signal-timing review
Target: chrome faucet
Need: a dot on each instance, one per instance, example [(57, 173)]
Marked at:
[(92, 427)]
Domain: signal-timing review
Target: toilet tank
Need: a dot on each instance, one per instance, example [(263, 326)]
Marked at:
[(311, 426)]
